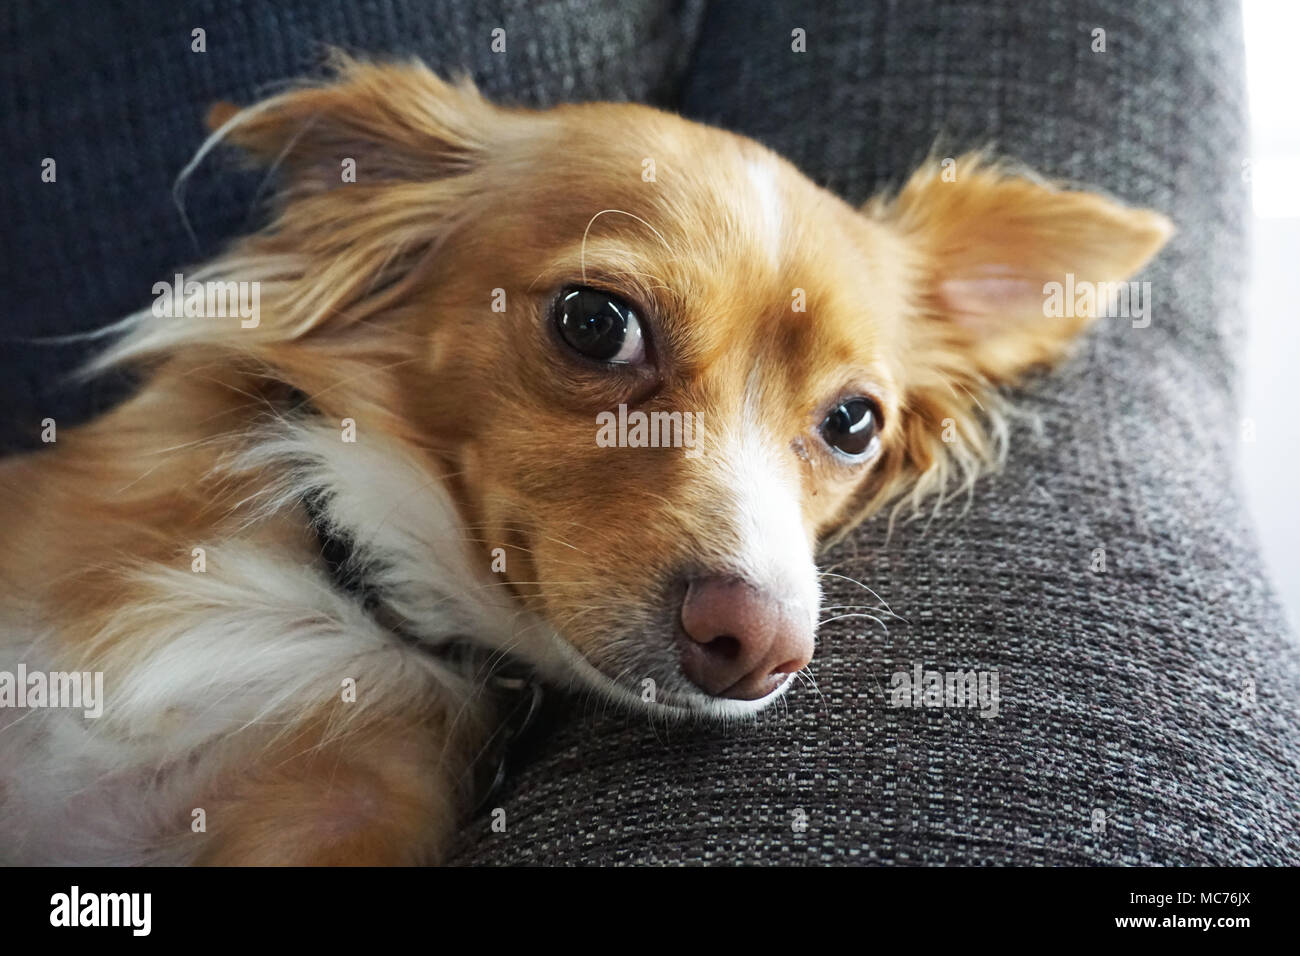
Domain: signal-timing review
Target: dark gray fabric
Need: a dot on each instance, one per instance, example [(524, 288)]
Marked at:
[(1127, 732), (1124, 692)]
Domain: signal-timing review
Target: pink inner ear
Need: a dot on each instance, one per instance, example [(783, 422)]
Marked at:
[(991, 297)]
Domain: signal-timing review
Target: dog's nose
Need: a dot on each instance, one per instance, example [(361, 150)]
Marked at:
[(742, 641)]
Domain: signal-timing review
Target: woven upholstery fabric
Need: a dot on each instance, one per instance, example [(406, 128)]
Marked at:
[(1147, 713)]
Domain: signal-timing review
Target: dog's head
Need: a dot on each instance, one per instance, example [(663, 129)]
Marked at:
[(655, 365)]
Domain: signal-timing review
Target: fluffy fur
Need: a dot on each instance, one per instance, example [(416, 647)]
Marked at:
[(475, 432)]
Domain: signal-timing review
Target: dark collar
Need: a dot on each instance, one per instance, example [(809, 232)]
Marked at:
[(517, 691)]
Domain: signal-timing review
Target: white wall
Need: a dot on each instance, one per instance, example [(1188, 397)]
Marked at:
[(1271, 390)]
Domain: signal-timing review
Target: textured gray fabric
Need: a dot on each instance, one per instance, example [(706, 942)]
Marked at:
[(1148, 713)]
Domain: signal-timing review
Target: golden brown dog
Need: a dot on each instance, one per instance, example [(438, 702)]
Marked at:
[(477, 330)]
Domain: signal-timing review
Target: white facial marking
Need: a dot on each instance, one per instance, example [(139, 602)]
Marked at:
[(762, 174), (774, 548)]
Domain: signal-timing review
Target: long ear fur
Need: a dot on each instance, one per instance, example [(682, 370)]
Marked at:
[(338, 252), (990, 244), (395, 122)]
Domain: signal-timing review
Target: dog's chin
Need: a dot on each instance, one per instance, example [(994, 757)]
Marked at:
[(567, 663)]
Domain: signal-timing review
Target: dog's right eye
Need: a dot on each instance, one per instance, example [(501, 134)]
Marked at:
[(599, 326)]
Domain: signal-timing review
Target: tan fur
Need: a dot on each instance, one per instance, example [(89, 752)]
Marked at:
[(376, 304), (375, 796)]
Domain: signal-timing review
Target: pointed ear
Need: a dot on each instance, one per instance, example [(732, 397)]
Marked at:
[(988, 245), (992, 243), (395, 122)]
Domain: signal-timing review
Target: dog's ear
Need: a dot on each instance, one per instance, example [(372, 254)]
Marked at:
[(370, 123), (990, 245), (994, 254)]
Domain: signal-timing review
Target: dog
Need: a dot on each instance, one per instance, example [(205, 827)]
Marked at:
[(295, 553)]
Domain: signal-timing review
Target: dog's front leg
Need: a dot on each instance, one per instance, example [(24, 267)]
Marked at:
[(388, 793)]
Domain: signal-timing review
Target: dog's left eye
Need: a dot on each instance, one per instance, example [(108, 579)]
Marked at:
[(600, 326), (852, 426)]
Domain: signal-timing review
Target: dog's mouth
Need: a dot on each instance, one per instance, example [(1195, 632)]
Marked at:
[(670, 696)]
